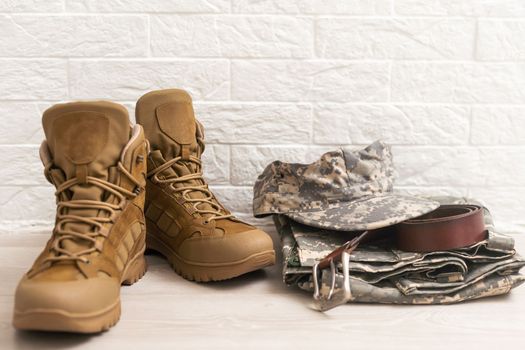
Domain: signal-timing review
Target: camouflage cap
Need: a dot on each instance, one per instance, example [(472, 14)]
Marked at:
[(344, 190)]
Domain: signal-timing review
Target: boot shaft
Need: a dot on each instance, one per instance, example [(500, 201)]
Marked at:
[(177, 143), (97, 162)]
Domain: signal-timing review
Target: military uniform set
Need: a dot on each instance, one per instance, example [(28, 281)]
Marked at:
[(122, 189), (347, 237)]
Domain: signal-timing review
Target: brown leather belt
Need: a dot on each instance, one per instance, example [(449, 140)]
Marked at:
[(448, 227)]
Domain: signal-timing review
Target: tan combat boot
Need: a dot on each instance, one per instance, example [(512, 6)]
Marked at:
[(201, 239), (97, 163)]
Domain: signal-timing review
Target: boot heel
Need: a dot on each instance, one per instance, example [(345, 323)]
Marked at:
[(135, 270)]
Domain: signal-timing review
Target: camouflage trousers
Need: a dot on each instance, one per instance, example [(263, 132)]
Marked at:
[(378, 273)]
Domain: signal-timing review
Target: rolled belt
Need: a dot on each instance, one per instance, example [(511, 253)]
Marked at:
[(448, 227)]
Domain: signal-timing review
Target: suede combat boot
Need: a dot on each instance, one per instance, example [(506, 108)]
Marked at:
[(97, 163), (201, 239)]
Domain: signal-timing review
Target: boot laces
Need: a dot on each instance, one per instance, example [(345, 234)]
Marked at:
[(217, 212), (61, 233)]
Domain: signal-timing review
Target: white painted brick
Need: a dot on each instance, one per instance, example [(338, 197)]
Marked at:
[(501, 40), (231, 36), (269, 6), (130, 79), (153, 6), (494, 8), (21, 123), (459, 82), (498, 125), (23, 227), (73, 36), (505, 204), (394, 124), (216, 164), (33, 79), (235, 198), (266, 89), (31, 5), (310, 81), (459, 166), (27, 203), (256, 123), (395, 38), (24, 166), (315, 152), (349, 7), (248, 162)]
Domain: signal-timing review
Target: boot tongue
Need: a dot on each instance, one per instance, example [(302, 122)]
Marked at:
[(85, 139), (177, 135)]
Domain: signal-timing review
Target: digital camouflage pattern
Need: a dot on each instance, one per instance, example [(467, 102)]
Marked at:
[(344, 190), (379, 273), (363, 292)]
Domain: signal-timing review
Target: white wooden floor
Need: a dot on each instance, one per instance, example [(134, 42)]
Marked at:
[(164, 311)]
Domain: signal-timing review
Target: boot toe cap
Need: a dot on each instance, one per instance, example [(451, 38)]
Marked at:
[(68, 297)]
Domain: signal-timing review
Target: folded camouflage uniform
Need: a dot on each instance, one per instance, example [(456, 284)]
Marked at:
[(382, 274), (318, 207)]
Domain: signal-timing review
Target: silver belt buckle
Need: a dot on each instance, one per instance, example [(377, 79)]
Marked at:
[(328, 295), (337, 292)]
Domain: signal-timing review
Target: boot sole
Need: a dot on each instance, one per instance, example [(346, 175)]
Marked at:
[(210, 272), (57, 320)]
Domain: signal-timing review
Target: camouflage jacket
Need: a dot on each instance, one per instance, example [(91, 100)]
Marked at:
[(381, 274)]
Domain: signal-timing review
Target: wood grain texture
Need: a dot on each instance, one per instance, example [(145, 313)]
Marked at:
[(256, 311)]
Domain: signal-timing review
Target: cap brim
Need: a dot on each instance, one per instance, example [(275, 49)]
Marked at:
[(366, 213)]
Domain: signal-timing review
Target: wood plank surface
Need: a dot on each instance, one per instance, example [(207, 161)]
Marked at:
[(257, 311)]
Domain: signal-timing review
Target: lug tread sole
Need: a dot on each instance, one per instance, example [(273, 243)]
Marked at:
[(210, 272)]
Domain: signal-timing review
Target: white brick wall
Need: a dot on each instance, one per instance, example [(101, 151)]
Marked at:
[(443, 81)]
